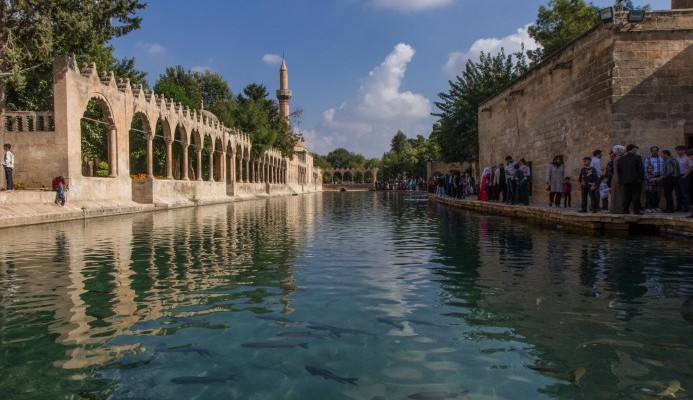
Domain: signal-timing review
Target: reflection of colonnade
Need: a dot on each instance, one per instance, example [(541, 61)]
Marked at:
[(155, 267)]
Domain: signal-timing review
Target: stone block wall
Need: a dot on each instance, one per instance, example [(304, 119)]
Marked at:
[(562, 107), (39, 156), (632, 84), (653, 83)]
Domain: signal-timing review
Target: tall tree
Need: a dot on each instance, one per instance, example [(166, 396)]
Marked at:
[(33, 33), (456, 130)]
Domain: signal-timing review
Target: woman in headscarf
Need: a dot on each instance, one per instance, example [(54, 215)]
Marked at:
[(554, 181), (616, 200), (485, 180)]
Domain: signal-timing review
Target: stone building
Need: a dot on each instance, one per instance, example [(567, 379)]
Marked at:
[(204, 160), (619, 83)]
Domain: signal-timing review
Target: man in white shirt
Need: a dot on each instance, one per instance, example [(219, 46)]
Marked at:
[(596, 162), (8, 163)]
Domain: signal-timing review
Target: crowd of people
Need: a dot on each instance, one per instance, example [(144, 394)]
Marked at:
[(616, 187)]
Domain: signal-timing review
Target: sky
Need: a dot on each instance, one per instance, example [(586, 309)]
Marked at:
[(359, 69)]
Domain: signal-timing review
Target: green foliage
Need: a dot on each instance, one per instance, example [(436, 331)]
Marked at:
[(94, 137), (456, 131), (408, 157), (559, 23), (343, 158), (102, 169), (321, 162), (33, 33)]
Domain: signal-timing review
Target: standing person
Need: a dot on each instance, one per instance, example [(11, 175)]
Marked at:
[(588, 186), (689, 175), (525, 181), (554, 181), (668, 178), (502, 183), (567, 193), (511, 184), (657, 163), (8, 163), (609, 170), (682, 186), (630, 174), (596, 162), (483, 192), (604, 193), (616, 203), (653, 188), (58, 185)]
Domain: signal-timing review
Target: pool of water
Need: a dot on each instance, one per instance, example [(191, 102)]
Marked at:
[(341, 296)]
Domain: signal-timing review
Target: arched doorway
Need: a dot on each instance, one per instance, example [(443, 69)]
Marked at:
[(97, 140)]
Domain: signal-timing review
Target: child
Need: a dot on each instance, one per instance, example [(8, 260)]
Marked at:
[(653, 188), (604, 193), (567, 190), (58, 185)]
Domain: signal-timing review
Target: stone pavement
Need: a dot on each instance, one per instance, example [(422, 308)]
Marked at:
[(675, 223)]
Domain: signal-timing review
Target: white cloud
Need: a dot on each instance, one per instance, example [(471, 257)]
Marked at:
[(201, 68), (272, 59), (367, 123), (408, 5), (511, 43), (152, 49)]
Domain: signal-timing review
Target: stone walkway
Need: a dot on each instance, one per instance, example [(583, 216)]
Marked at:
[(676, 223)]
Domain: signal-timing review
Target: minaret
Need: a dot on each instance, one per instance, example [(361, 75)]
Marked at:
[(284, 94)]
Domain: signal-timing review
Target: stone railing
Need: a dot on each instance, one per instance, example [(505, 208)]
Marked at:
[(28, 121)]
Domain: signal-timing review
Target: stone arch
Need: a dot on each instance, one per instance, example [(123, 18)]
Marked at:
[(348, 174), (138, 153), (207, 157), (358, 176), (161, 131), (368, 176), (98, 138), (218, 160), (195, 155)]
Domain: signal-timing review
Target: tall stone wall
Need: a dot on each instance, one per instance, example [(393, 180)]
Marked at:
[(632, 84), (562, 107), (653, 82)]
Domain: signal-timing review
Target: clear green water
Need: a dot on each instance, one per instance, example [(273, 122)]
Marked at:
[(439, 300)]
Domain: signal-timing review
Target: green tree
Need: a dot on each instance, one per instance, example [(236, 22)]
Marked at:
[(343, 158), (559, 23), (456, 131), (33, 33)]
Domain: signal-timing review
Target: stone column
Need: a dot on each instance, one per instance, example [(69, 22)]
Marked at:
[(112, 152), (199, 163), (222, 177), (246, 177), (232, 172), (169, 159), (185, 176), (150, 156), (211, 164)]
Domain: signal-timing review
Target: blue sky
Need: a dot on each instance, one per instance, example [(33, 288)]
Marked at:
[(359, 69)]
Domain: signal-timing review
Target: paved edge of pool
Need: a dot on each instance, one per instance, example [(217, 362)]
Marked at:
[(679, 225)]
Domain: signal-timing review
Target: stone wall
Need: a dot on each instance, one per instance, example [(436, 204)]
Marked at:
[(608, 87)]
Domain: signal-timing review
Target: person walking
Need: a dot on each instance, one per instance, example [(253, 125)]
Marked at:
[(554, 181), (8, 163), (631, 173), (616, 203)]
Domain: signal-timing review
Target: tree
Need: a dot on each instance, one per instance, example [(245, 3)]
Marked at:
[(456, 131), (559, 23), (33, 33), (562, 21), (343, 158)]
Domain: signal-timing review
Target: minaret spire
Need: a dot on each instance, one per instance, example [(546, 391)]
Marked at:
[(284, 94)]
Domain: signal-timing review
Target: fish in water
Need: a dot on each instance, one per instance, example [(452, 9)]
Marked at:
[(308, 334), (338, 331), (549, 370), (329, 375), (576, 375), (188, 380), (397, 322), (391, 321), (280, 320), (522, 352), (437, 395), (185, 349), (276, 344), (674, 386)]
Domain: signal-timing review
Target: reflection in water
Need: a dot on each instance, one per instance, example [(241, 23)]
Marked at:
[(407, 296)]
